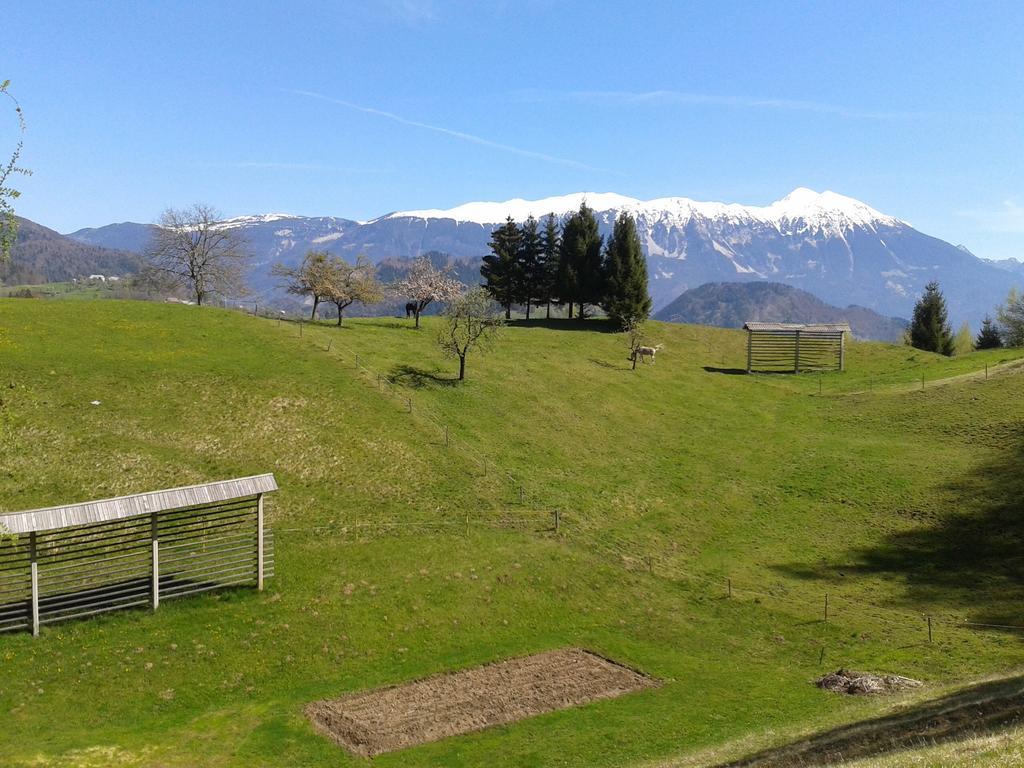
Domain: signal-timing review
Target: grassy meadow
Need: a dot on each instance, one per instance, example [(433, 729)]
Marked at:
[(399, 556)]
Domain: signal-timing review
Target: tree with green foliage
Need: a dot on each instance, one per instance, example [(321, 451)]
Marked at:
[(500, 268), (626, 298), (1011, 319), (580, 270), (8, 222), (988, 337), (472, 322), (963, 342), (550, 239), (929, 328), (530, 264)]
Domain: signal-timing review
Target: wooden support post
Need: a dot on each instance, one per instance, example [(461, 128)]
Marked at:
[(826, 607), (842, 351), (929, 629), (259, 542), (729, 585), (330, 344), (558, 520), (409, 401), (155, 577), (33, 559), (796, 354), (750, 350)]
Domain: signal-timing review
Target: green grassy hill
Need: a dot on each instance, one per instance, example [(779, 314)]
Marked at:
[(399, 556)]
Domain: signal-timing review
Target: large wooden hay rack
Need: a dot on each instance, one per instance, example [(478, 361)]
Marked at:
[(80, 560), (792, 347)]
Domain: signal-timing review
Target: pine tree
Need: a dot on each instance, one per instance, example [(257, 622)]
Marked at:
[(500, 268), (626, 299), (929, 328), (988, 337), (580, 271), (550, 241), (530, 266)]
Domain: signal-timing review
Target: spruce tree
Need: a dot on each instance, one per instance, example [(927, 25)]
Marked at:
[(626, 300), (580, 271), (500, 268), (988, 337), (530, 266), (550, 241), (929, 328)]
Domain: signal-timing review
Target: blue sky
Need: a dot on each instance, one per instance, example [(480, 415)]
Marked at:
[(357, 109)]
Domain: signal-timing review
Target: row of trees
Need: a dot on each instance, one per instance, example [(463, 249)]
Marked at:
[(531, 264), (930, 330)]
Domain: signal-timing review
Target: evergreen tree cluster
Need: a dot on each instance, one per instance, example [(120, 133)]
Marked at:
[(533, 264)]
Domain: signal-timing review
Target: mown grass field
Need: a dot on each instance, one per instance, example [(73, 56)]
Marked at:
[(399, 556)]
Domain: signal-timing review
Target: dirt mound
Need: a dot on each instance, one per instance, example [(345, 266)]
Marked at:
[(864, 683), (400, 716)]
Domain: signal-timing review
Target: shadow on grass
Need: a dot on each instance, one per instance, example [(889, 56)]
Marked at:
[(597, 324), (980, 710), (729, 371), (420, 378), (971, 558), (628, 366)]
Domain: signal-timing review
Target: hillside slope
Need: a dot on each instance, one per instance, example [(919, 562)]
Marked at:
[(41, 255), (730, 305), (399, 556)]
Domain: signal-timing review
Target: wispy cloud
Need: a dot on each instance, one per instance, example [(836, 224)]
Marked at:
[(1008, 217), (410, 11), (634, 98), (461, 135), (276, 166)]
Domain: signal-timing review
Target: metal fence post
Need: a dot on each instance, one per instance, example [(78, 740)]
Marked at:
[(32, 554), (259, 542), (154, 536)]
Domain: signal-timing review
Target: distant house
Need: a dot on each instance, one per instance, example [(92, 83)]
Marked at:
[(97, 279), (113, 279)]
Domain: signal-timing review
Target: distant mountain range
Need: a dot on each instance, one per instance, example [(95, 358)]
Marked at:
[(41, 255), (730, 305), (832, 246)]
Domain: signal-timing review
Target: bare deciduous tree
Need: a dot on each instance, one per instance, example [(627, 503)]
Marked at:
[(425, 283), (634, 329), (9, 224), (192, 249), (311, 278), (349, 283), (473, 321)]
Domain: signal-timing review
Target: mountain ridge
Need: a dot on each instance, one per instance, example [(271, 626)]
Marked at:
[(730, 305), (835, 247)]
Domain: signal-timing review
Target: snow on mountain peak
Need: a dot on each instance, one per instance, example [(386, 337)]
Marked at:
[(826, 210)]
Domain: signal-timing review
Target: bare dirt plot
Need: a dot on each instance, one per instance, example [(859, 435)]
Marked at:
[(386, 719)]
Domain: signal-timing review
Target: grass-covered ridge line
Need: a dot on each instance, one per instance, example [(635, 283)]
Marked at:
[(712, 475)]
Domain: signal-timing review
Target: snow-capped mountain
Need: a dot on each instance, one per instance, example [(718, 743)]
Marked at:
[(836, 247)]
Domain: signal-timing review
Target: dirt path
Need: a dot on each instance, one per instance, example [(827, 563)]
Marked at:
[(973, 711)]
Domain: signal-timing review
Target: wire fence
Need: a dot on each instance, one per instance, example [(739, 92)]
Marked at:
[(642, 554)]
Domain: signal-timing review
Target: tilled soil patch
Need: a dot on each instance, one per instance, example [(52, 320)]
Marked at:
[(386, 719)]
